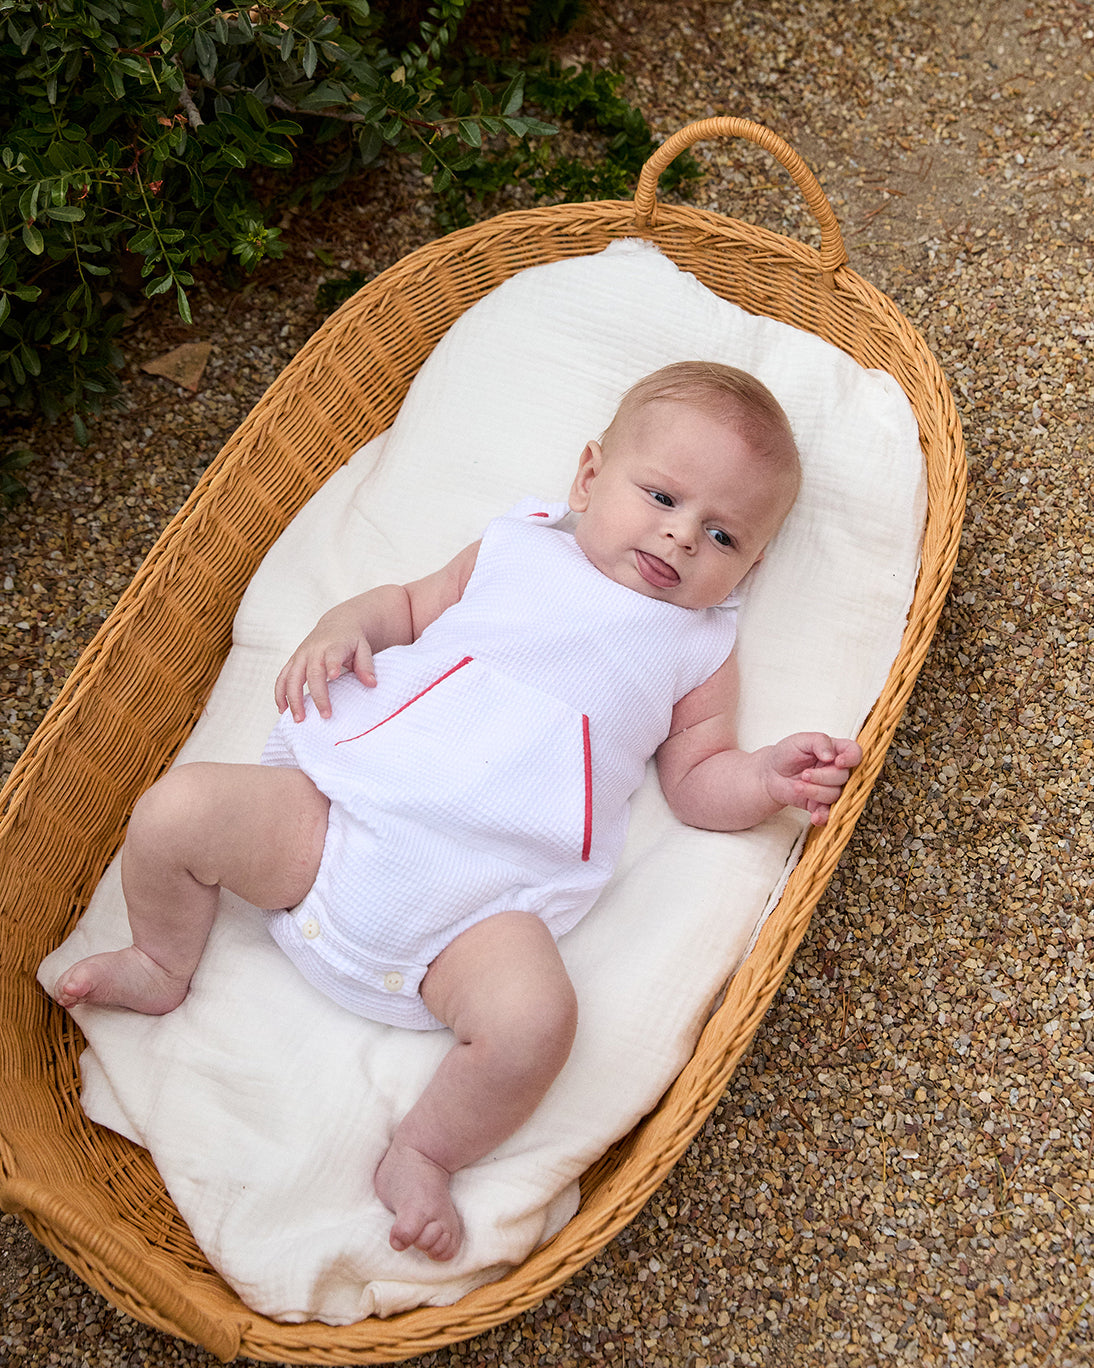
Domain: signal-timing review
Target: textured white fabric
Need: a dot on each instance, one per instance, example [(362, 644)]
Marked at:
[(266, 1106), (490, 769)]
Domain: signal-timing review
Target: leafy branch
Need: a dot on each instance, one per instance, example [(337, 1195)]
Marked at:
[(143, 139), (131, 129)]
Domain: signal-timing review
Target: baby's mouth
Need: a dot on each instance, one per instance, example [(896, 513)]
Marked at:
[(655, 571)]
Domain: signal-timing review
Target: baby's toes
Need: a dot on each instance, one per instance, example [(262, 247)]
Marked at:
[(439, 1241), (404, 1233), (435, 1238), (75, 985), (69, 990)]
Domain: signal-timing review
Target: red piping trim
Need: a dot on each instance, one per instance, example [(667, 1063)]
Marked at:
[(587, 846), (465, 661)]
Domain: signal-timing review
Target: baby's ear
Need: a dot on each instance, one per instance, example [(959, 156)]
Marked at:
[(588, 467)]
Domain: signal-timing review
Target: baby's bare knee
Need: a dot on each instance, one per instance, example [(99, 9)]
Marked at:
[(170, 808), (539, 1026)]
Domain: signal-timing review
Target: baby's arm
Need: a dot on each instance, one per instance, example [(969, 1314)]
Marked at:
[(710, 782), (349, 635)]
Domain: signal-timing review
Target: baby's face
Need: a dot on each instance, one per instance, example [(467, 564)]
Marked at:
[(675, 505)]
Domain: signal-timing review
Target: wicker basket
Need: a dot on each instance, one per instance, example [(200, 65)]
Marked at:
[(95, 1199)]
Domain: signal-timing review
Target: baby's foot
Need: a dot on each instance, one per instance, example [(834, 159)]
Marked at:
[(415, 1189), (121, 978)]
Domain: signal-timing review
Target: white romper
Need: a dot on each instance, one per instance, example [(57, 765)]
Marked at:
[(490, 769)]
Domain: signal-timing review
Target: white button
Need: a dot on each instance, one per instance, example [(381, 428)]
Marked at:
[(309, 928), (393, 981)]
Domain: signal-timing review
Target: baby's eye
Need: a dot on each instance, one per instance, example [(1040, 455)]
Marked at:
[(721, 538), (660, 498)]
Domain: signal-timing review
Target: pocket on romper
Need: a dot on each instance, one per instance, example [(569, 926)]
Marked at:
[(489, 761)]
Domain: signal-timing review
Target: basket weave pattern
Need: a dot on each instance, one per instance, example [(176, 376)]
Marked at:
[(97, 1200)]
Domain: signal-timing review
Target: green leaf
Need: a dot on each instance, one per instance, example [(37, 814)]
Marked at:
[(28, 201), (310, 59), (325, 95), (18, 459), (32, 239), (62, 157), (513, 97), (470, 132), (65, 213), (184, 307), (369, 143), (206, 53), (537, 128), (79, 297), (233, 155), (255, 110)]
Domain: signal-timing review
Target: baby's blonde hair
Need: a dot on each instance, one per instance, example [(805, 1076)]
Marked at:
[(730, 396)]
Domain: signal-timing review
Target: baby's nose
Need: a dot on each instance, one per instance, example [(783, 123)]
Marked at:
[(682, 534)]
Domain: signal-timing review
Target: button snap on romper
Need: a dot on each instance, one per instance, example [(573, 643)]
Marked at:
[(490, 769)]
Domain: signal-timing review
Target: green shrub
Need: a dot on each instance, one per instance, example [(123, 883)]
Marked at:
[(587, 102), (128, 130), (140, 139)]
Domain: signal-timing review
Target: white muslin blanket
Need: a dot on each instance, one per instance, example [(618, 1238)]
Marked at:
[(266, 1107)]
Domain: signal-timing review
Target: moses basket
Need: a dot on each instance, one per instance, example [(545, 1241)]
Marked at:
[(94, 1198)]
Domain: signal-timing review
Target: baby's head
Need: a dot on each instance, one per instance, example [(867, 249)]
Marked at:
[(691, 480)]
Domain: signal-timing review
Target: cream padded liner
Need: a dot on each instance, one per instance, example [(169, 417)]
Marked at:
[(266, 1107)]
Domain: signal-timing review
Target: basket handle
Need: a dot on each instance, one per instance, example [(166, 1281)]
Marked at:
[(832, 252)]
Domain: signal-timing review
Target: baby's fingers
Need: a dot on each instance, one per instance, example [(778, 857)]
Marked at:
[(363, 666), (319, 675), (827, 776), (818, 789), (289, 688), (848, 754)]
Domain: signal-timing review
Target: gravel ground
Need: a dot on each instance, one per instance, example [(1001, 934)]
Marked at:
[(900, 1171)]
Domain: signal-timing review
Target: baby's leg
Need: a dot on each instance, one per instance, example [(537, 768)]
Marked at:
[(503, 989), (256, 830)]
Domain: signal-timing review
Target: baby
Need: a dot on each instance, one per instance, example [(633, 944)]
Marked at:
[(447, 789)]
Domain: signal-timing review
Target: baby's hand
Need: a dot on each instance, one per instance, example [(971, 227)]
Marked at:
[(333, 647), (808, 770)]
